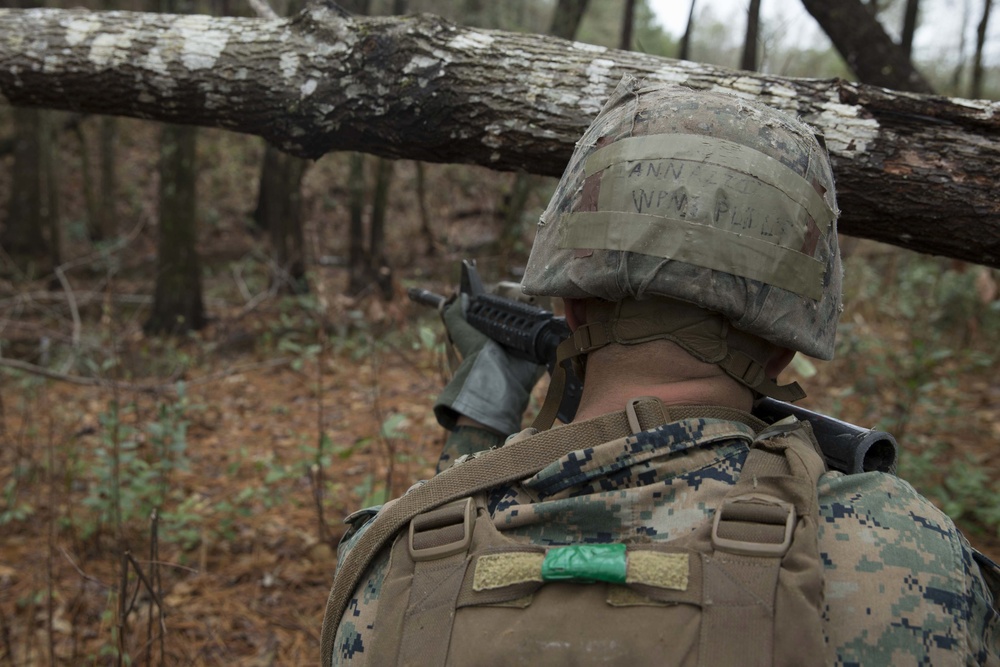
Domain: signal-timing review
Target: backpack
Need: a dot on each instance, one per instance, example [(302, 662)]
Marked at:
[(743, 589)]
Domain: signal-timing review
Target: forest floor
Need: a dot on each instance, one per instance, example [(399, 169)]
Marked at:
[(254, 437)]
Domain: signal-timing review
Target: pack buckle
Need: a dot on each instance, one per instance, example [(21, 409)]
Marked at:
[(443, 531), (754, 525)]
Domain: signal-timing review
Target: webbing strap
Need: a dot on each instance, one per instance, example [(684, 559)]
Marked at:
[(764, 536), (513, 462), (557, 385), (704, 334), (427, 623)]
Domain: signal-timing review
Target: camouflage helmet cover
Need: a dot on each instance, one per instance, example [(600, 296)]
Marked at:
[(702, 197)]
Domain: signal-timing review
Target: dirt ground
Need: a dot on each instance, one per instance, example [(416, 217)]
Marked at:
[(292, 412)]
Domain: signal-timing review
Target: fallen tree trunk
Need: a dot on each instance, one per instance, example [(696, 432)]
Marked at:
[(916, 171)]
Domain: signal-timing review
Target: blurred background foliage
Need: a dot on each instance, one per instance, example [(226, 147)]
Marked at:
[(196, 469)]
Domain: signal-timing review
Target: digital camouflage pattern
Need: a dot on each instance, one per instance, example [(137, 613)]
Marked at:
[(465, 441), (703, 197), (901, 583)]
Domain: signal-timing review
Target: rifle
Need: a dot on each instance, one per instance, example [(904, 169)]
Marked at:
[(533, 333)]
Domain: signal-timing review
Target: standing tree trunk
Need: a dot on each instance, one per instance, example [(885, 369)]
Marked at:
[(177, 305), (567, 16), (976, 89), (400, 7), (865, 46), (378, 266), (956, 75), (357, 259), (749, 59), (31, 235), (909, 26), (365, 265), (50, 189), (628, 26), (107, 143), (684, 53), (279, 211), (90, 195), (28, 212), (425, 218), (107, 210)]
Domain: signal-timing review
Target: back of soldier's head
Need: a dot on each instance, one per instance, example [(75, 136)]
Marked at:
[(704, 198)]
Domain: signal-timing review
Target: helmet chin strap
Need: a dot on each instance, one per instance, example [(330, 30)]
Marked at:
[(705, 335)]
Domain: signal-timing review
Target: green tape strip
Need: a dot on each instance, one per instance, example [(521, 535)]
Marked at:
[(586, 563), (698, 244)]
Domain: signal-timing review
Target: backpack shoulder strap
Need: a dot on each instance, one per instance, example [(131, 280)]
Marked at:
[(764, 534), (518, 459)]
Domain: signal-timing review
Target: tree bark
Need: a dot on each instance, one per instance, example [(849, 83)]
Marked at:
[(917, 171), (865, 45)]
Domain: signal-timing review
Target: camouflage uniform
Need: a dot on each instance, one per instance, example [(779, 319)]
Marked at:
[(901, 584)]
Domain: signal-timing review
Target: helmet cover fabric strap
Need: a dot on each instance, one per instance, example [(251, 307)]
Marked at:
[(705, 335)]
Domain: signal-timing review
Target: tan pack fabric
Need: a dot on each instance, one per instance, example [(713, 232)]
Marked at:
[(743, 590)]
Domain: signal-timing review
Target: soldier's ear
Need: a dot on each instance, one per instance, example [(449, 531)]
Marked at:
[(576, 312)]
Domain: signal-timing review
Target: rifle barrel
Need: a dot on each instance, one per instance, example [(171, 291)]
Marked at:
[(426, 297)]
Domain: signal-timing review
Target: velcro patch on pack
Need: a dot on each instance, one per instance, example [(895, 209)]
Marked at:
[(583, 564)]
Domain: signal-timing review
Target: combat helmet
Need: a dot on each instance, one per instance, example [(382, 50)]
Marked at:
[(708, 201)]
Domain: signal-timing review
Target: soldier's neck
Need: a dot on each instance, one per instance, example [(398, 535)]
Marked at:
[(616, 374)]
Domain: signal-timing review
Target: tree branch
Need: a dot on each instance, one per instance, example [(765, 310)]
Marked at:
[(918, 171)]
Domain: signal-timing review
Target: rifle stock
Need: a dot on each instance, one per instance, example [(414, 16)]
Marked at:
[(533, 333)]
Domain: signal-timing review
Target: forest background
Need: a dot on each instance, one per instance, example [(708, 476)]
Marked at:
[(177, 451)]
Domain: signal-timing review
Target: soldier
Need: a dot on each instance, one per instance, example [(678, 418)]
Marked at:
[(693, 239)]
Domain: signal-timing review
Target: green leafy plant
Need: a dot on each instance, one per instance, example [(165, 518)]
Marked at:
[(916, 332), (132, 470)]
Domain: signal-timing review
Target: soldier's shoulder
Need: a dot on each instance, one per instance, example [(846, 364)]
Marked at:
[(891, 553), (887, 500)]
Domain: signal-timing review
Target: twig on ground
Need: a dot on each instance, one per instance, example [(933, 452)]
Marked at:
[(82, 298), (83, 574), (77, 379), (142, 388), (241, 284), (120, 244), (75, 313)]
